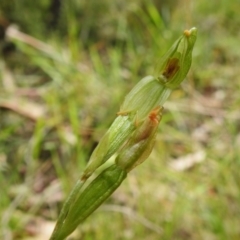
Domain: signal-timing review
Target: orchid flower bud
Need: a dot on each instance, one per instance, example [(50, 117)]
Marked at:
[(140, 144)]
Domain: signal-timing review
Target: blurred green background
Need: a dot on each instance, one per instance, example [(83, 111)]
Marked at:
[(65, 67)]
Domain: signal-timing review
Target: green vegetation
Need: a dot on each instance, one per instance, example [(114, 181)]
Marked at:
[(61, 83)]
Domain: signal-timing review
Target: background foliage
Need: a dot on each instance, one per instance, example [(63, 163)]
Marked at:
[(65, 67)]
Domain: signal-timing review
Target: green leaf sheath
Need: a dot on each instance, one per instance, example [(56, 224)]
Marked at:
[(91, 198), (65, 208), (146, 95), (116, 135)]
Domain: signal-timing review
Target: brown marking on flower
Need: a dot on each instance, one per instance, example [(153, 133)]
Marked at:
[(155, 115), (171, 68)]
